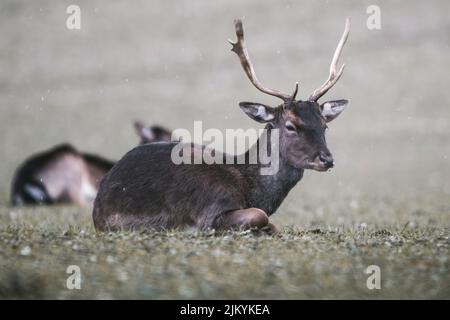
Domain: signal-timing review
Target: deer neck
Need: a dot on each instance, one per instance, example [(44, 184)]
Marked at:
[(268, 191)]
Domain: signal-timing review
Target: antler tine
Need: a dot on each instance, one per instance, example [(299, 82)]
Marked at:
[(241, 51), (333, 76)]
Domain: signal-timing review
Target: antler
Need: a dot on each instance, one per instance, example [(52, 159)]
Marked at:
[(334, 76), (241, 51)]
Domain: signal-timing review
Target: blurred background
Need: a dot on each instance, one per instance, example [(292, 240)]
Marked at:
[(169, 63)]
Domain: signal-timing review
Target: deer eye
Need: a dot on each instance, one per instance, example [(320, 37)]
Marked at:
[(291, 127)]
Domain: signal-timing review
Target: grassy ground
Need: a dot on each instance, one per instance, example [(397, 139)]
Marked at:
[(316, 260), (386, 203)]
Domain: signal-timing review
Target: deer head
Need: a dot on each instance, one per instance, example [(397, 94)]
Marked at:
[(301, 124)]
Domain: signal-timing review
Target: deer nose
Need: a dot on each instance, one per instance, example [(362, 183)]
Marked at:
[(326, 159)]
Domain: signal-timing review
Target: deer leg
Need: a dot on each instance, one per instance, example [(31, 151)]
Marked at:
[(270, 228), (243, 219)]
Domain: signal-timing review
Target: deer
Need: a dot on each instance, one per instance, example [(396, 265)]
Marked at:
[(146, 190), (64, 175)]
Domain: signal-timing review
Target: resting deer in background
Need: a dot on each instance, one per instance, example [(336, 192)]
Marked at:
[(145, 189), (65, 175)]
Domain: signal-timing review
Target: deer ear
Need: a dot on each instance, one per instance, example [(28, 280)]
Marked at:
[(257, 111), (331, 109), (160, 134), (143, 132)]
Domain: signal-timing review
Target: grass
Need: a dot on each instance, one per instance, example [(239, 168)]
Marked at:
[(319, 260)]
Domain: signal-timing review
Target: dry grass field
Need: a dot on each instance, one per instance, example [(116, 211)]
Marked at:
[(386, 203)]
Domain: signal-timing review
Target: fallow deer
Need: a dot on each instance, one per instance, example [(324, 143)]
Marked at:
[(145, 189), (65, 175)]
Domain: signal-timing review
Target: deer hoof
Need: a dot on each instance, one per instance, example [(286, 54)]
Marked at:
[(270, 229)]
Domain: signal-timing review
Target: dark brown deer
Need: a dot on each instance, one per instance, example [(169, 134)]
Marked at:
[(65, 175), (145, 189)]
